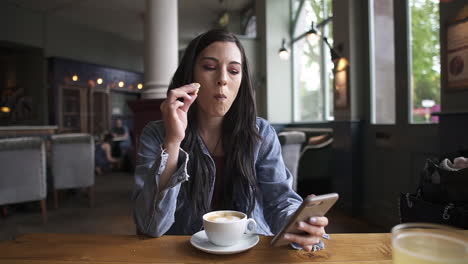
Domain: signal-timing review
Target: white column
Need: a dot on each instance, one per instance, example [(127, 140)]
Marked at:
[(161, 46)]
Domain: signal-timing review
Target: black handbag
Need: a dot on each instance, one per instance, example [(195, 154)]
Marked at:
[(440, 185), (441, 197), (415, 209)]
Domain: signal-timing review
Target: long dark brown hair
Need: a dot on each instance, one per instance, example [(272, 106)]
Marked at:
[(239, 135)]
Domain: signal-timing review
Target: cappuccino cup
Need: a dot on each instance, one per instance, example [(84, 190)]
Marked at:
[(226, 228)]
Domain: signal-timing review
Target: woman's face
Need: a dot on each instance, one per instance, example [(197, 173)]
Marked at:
[(218, 69)]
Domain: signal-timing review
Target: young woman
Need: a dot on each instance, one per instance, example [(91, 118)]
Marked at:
[(211, 152), (103, 155)]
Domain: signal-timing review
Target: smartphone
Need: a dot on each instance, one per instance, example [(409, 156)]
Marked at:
[(311, 206)]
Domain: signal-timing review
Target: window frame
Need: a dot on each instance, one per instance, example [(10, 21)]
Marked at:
[(325, 83)]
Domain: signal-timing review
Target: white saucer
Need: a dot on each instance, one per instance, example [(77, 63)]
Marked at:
[(200, 241)]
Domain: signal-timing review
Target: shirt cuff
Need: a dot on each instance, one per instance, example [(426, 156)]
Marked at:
[(180, 175)]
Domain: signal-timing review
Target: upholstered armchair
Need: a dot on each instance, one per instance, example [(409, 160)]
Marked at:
[(23, 172), (291, 143), (72, 163), (315, 163)]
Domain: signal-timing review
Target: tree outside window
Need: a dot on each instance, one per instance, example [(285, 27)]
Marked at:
[(425, 49)]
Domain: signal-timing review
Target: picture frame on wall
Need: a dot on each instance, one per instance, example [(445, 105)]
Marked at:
[(457, 55)]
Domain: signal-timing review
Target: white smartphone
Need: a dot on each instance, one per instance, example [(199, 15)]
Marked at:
[(311, 206)]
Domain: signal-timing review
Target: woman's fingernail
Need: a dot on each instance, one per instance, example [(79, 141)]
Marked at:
[(196, 92), (300, 224), (313, 220), (196, 85), (287, 236)]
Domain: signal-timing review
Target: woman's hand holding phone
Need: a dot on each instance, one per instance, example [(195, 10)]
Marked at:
[(314, 229), (307, 225)]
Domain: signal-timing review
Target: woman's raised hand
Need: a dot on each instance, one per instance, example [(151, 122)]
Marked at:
[(174, 111)]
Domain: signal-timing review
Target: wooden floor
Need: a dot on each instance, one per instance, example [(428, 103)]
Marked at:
[(112, 213)]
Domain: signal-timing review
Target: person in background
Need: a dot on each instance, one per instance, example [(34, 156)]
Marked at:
[(211, 152), (121, 137), (103, 155)]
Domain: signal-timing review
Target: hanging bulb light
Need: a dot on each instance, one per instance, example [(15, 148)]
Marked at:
[(5, 109), (342, 64), (313, 35), (283, 52), (313, 38)]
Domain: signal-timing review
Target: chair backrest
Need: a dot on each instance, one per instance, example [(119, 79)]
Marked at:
[(22, 170), (315, 160), (72, 161), (291, 143)]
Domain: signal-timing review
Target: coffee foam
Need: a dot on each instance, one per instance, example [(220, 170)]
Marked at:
[(228, 218), (222, 218)]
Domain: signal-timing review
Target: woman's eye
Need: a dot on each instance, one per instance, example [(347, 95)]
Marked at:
[(208, 67), (234, 72)]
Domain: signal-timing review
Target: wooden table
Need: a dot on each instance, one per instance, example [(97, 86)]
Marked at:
[(113, 249)]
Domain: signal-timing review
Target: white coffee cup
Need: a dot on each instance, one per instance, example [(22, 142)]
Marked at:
[(226, 228)]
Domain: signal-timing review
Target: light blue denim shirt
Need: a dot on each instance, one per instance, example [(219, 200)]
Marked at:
[(158, 212)]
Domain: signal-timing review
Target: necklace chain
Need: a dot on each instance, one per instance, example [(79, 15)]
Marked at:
[(216, 146)]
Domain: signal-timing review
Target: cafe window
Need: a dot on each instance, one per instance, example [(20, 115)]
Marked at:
[(424, 60), (382, 62), (312, 66)]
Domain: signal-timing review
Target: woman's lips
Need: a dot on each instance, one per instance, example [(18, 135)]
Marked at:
[(220, 97)]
